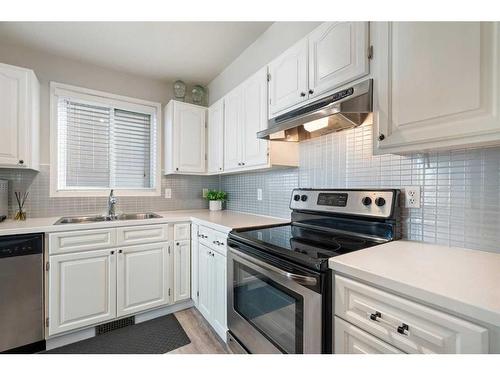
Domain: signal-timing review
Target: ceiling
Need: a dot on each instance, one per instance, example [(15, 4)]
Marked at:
[(195, 52)]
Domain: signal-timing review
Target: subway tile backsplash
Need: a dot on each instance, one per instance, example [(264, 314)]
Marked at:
[(460, 194), (186, 194)]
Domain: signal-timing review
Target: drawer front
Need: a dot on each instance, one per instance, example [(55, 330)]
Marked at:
[(220, 243), (182, 232), (348, 339), (141, 234), (206, 236), (409, 326), (70, 242)]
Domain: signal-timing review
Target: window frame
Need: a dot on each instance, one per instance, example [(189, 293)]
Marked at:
[(107, 99)]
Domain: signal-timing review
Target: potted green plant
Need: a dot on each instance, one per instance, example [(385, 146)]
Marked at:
[(215, 199)]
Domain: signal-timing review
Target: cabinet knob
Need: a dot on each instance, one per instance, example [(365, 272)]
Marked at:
[(112, 252), (242, 163), (177, 243), (302, 94), (311, 91), (381, 137), (120, 251), (176, 169), (21, 162)]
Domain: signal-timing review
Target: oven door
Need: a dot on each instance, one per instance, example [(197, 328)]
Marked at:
[(270, 309)]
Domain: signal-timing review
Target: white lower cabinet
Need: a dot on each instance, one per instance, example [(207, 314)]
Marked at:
[(182, 270), (351, 340), (142, 278), (89, 286), (212, 298), (405, 324), (82, 289)]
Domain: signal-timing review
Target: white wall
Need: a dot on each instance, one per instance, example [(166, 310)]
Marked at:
[(49, 67), (276, 39)]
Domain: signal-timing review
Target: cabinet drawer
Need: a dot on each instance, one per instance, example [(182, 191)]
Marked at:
[(68, 242), (219, 244), (206, 236), (409, 326), (349, 339), (141, 234), (182, 231)]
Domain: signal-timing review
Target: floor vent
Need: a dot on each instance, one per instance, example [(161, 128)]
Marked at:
[(117, 324)]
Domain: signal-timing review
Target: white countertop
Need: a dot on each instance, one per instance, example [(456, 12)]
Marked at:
[(463, 281), (222, 220)]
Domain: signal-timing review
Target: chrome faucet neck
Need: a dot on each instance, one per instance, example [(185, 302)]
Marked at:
[(111, 204)]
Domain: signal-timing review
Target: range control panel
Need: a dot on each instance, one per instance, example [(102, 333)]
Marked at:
[(374, 203)]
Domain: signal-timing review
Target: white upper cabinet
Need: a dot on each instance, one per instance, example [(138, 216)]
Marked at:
[(19, 117), (338, 54), (288, 79), (233, 118), (245, 113), (254, 90), (185, 138), (215, 152), (333, 54), (436, 85)]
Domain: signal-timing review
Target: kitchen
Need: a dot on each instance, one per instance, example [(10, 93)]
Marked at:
[(360, 204)]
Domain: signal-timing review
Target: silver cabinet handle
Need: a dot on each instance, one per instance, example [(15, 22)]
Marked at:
[(300, 279)]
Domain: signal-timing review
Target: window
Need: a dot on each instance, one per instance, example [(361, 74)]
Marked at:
[(102, 141)]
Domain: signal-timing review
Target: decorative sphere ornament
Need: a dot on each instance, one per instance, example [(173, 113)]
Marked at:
[(179, 90), (197, 94)]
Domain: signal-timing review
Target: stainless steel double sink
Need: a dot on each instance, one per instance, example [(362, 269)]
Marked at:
[(100, 218)]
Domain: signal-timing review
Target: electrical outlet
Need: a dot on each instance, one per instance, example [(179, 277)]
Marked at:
[(412, 197), (204, 192), (168, 193), (259, 194)]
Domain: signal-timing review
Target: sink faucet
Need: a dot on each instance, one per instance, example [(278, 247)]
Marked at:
[(111, 204)]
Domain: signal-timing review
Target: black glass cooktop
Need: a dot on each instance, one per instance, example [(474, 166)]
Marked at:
[(302, 245)]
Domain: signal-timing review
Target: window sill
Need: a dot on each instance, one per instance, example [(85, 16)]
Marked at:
[(104, 193)]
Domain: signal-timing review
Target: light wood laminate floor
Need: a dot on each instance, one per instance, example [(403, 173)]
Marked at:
[(203, 339)]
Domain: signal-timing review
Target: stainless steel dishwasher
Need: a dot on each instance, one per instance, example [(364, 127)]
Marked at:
[(21, 293)]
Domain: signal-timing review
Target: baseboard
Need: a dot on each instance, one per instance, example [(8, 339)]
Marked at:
[(87, 333)]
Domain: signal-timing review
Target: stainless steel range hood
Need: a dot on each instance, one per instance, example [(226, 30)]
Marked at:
[(344, 109)]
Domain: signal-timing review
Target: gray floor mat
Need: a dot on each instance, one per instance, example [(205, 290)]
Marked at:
[(156, 336)]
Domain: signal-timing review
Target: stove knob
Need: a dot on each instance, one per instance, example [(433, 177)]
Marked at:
[(380, 201), (366, 201), (296, 197), (303, 198)]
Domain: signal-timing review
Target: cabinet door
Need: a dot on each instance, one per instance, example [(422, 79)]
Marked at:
[(189, 131), (219, 292), (254, 151), (288, 79), (215, 154), (142, 277), (205, 281), (338, 54), (233, 118), (437, 85), (13, 113), (82, 289), (182, 270)]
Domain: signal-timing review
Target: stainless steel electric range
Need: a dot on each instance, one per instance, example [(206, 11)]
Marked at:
[(279, 284)]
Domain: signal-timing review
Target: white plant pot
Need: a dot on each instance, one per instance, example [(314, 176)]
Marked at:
[(215, 205)]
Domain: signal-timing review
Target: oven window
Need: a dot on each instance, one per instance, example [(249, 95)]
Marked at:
[(272, 309)]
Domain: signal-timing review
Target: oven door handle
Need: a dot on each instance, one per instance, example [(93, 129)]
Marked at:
[(300, 279)]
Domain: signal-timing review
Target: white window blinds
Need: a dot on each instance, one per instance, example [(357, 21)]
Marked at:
[(102, 147)]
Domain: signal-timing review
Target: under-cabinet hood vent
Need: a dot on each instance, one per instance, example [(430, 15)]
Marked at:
[(344, 109)]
